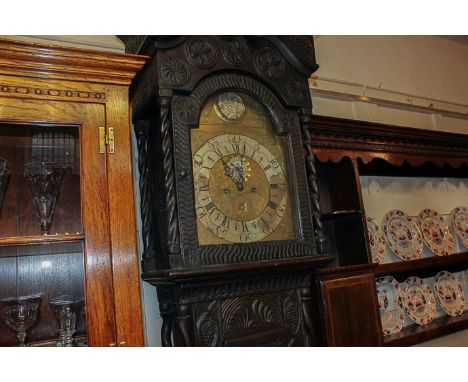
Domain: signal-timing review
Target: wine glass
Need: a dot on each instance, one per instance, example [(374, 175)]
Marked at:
[(65, 309), (4, 175), (20, 313), (44, 180)]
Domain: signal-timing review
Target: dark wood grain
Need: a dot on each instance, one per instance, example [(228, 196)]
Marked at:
[(349, 301)]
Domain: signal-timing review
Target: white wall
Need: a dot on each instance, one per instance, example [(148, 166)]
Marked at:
[(417, 81), (414, 81)]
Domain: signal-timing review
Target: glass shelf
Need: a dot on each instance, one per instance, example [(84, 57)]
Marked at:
[(52, 270)]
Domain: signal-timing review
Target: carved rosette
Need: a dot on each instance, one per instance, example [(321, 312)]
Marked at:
[(236, 52), (298, 90), (175, 71), (270, 64), (304, 43), (201, 53), (185, 109)]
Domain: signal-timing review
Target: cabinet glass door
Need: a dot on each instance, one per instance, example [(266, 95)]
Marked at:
[(42, 246)]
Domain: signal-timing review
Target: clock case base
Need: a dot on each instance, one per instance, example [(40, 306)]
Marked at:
[(269, 303)]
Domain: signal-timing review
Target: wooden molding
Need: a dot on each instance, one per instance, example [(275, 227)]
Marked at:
[(333, 138), (74, 64)]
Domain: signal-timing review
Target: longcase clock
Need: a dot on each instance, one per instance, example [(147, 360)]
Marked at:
[(231, 219)]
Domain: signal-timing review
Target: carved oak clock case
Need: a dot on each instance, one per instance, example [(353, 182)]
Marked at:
[(231, 230)]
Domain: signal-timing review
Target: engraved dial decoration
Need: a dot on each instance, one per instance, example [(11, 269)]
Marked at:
[(230, 107), (241, 192)]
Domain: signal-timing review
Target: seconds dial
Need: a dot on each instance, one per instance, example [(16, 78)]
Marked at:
[(240, 188)]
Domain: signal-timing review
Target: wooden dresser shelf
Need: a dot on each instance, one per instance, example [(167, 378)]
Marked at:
[(438, 327), (333, 215), (456, 260)]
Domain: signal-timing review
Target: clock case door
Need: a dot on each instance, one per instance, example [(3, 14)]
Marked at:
[(184, 73), (286, 124)]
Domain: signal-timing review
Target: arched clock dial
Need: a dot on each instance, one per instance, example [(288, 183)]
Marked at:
[(241, 193)]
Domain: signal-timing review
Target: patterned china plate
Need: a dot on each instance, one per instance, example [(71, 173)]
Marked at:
[(435, 232), (376, 240), (402, 235), (459, 219), (390, 305), (418, 301), (450, 293)]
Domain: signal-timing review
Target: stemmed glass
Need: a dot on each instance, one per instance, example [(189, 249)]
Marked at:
[(65, 309), (44, 180), (20, 313), (4, 175)]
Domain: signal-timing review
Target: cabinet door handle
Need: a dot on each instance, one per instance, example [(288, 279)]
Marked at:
[(123, 344), (112, 344)]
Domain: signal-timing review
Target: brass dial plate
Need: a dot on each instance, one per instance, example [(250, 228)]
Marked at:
[(240, 188), (240, 177)]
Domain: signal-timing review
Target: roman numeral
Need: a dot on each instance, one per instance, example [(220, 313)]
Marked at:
[(225, 222), (210, 207), (266, 168), (203, 188), (245, 228), (275, 186)]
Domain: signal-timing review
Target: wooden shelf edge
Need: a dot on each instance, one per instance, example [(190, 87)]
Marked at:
[(426, 263), (340, 214), (29, 240), (415, 334), (79, 340)]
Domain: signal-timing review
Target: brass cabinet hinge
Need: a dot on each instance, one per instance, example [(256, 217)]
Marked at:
[(106, 139)]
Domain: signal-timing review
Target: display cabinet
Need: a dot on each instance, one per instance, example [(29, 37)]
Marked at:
[(409, 181), (69, 271)]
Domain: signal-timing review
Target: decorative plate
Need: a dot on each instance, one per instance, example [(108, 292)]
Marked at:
[(402, 235), (418, 300), (390, 305), (376, 240), (450, 293), (459, 219), (435, 232)]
